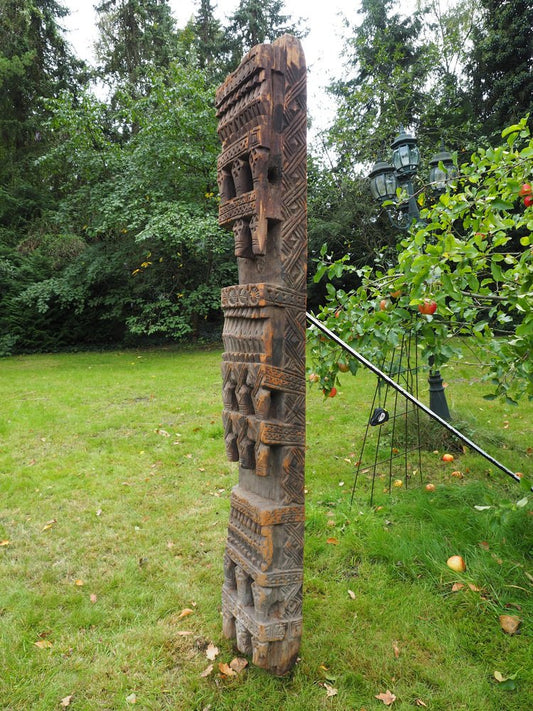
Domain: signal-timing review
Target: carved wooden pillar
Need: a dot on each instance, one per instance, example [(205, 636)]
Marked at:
[(261, 109)]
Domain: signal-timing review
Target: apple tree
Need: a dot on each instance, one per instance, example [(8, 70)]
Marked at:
[(464, 270)]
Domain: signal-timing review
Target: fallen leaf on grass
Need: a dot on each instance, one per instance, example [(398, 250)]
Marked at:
[(4, 543), (459, 586), (211, 652), (510, 623), (186, 611), (396, 650), (419, 702), (388, 698), (79, 583), (207, 671), (226, 670), (131, 699), (66, 701), (49, 524), (333, 541), (506, 682), (238, 664), (44, 644), (330, 690), (235, 667), (351, 594), (184, 633)]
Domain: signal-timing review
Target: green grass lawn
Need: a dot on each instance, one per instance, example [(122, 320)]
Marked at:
[(114, 501)]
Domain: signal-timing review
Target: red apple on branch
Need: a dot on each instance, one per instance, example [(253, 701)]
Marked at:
[(428, 307)]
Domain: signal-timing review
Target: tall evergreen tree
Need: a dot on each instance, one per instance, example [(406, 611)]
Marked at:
[(136, 36), (211, 41), (258, 21), (501, 65), (387, 68), (36, 63)]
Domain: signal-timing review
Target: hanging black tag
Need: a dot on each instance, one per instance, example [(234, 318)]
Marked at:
[(379, 416)]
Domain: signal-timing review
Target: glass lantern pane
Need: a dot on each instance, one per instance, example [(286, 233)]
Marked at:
[(438, 178)]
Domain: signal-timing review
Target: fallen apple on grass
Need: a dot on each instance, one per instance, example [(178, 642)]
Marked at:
[(430, 487), (457, 563), (447, 457)]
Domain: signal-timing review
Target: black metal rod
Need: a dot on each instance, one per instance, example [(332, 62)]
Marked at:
[(333, 336)]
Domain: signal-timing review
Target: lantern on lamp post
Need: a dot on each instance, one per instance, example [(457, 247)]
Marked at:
[(441, 170), (385, 178)]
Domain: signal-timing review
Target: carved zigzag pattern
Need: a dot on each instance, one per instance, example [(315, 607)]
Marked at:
[(293, 598), (292, 478), (294, 340), (294, 546)]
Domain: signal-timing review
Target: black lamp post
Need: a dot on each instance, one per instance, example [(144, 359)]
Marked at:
[(385, 179)]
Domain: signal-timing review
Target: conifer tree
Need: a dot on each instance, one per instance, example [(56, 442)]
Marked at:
[(501, 64), (36, 63), (135, 37)]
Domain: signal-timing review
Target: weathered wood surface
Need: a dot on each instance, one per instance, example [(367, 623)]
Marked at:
[(261, 108)]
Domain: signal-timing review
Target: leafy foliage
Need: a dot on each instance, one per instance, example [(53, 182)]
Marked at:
[(146, 206), (471, 255)]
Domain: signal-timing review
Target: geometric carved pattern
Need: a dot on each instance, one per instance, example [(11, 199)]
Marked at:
[(261, 173)]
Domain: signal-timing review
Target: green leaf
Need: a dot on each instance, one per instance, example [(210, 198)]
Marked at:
[(511, 129), (499, 204)]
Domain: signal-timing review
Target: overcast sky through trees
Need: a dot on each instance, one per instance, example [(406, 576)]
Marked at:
[(322, 46)]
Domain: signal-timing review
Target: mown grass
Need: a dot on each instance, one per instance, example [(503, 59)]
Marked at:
[(114, 500)]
